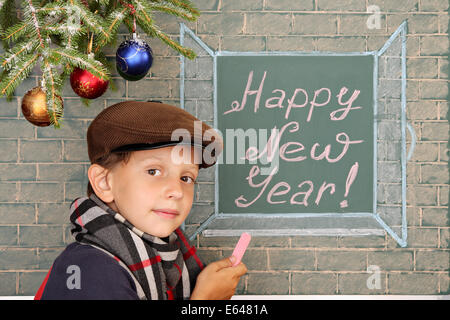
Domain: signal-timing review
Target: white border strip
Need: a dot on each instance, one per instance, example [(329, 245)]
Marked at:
[(305, 297)]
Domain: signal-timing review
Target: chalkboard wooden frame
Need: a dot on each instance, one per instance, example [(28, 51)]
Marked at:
[(278, 224)]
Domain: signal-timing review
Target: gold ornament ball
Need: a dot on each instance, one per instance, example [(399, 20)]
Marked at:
[(34, 107)]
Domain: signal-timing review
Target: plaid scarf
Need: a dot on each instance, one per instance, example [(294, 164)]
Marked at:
[(162, 268)]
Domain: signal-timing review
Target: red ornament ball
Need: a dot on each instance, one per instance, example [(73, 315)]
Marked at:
[(86, 85)]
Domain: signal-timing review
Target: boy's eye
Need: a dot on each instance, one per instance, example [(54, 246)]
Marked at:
[(188, 179), (154, 172)]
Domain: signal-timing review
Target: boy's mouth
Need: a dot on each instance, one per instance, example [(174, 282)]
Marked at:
[(166, 213)]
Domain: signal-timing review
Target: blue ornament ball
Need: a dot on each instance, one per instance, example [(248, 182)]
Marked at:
[(134, 58)]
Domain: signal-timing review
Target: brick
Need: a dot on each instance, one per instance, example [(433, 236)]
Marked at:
[(434, 45), (423, 23), (9, 150), (392, 6), (12, 128), (41, 235), (198, 89), (316, 24), (205, 5), (147, 89), (290, 43), (422, 68), (422, 110), (423, 237), (341, 5), (435, 131), (341, 260), (11, 213), (432, 260), (17, 172), (422, 195), (53, 213), (209, 256), (8, 191), (426, 152), (444, 283), (243, 43), (352, 24), (443, 152), (268, 283), (8, 281), (71, 129), (31, 151), (434, 89), (117, 89), (413, 283), (268, 23), (205, 192), (314, 241), (199, 213), (228, 23), (205, 111), (341, 44), (443, 68), (74, 189), (291, 259), (165, 67), (435, 217), (391, 260), (444, 237), (443, 23), (434, 173), (8, 235), (9, 108), (46, 257), (75, 151), (253, 259), (288, 5), (356, 283), (443, 195), (237, 5), (40, 192), (314, 283), (29, 282), (61, 172), (362, 242), (76, 109), (434, 5), (412, 173), (18, 258), (266, 241)]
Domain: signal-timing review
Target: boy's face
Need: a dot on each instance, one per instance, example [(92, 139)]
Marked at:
[(154, 192)]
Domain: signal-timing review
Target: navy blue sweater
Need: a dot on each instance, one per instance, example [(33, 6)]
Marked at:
[(82, 272)]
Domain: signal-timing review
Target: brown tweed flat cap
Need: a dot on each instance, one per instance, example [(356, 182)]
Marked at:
[(140, 125)]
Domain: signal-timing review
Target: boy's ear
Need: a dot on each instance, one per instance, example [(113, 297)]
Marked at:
[(98, 177)]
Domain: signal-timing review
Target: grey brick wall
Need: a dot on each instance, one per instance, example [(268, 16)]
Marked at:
[(42, 170)]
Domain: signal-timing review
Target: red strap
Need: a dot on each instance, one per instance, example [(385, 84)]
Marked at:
[(42, 287)]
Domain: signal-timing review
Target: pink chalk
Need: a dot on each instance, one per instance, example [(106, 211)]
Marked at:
[(240, 248)]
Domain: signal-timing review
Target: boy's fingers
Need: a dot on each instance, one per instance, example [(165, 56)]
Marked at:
[(240, 269), (223, 263)]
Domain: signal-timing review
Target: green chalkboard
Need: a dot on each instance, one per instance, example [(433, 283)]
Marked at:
[(323, 108)]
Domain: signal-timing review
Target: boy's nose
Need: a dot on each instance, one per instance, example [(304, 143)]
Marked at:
[(174, 189)]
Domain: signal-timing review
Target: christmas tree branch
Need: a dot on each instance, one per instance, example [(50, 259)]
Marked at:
[(31, 10), (173, 8), (17, 74), (52, 87), (15, 32), (76, 59), (11, 56)]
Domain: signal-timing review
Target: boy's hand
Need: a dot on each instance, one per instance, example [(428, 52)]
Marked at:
[(218, 280)]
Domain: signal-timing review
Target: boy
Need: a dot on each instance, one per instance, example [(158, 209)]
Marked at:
[(128, 242)]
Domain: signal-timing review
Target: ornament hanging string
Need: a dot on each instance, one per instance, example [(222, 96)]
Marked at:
[(132, 11)]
